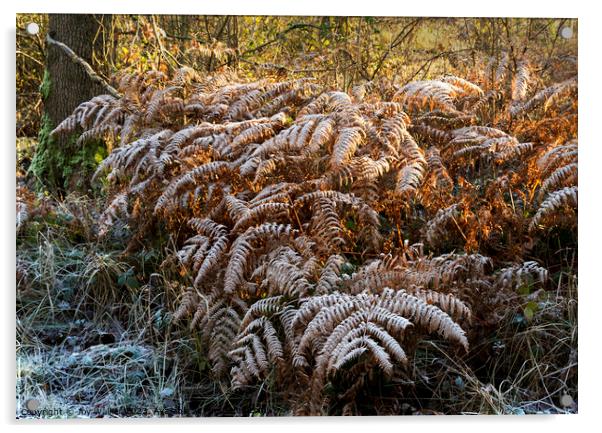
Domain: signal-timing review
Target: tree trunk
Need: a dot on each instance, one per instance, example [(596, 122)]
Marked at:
[(61, 164)]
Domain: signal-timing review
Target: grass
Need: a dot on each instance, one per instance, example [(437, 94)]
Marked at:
[(94, 338), (74, 354), (527, 366)]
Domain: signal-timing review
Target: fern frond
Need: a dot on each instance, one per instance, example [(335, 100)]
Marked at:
[(517, 275), (256, 350), (560, 177), (520, 84), (345, 146), (436, 229), (556, 200)]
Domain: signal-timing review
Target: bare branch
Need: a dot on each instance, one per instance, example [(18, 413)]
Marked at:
[(87, 68)]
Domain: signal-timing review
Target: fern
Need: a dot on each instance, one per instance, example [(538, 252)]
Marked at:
[(335, 332), (556, 200), (280, 197)]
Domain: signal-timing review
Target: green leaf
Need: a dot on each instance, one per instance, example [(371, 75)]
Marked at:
[(122, 279), (529, 310), (132, 282), (128, 279), (524, 290), (350, 224)]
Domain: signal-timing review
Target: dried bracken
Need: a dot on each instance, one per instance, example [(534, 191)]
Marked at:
[(293, 208)]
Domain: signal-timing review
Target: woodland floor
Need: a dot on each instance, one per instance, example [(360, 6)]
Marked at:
[(77, 365)]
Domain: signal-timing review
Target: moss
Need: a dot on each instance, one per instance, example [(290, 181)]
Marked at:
[(64, 165), (45, 86), (43, 165), (79, 167)]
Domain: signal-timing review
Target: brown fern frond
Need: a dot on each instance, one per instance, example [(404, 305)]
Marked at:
[(245, 246), (336, 331), (291, 209), (325, 225), (190, 179), (436, 166), (513, 151), (546, 97), (256, 350), (467, 86), (428, 94), (345, 146), (520, 83), (117, 210), (330, 275), (558, 156), (218, 321), (556, 200), (562, 176), (517, 275), (436, 229)]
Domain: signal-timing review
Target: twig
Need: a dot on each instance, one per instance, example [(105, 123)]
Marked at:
[(459, 229), (36, 38), (284, 68), (435, 57), (87, 68), (30, 57), (279, 36), (548, 60), (162, 50), (403, 34)]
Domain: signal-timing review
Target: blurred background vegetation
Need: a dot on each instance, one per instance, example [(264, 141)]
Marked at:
[(339, 51)]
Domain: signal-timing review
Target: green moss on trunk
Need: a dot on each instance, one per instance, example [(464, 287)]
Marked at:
[(61, 164), (45, 85)]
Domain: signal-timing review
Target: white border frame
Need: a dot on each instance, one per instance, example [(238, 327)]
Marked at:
[(590, 37)]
